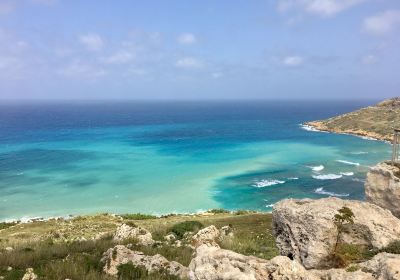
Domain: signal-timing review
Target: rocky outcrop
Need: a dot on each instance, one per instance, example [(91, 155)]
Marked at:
[(142, 235), (213, 263), (305, 230), (383, 187), (383, 266), (29, 275), (207, 235), (120, 254)]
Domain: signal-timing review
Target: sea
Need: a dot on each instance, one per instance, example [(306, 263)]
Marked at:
[(60, 158)]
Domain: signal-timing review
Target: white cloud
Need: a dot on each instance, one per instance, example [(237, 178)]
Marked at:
[(187, 39), (293, 61), (92, 41), (369, 59), (189, 62), (79, 69), (318, 7), (383, 23), (120, 57)]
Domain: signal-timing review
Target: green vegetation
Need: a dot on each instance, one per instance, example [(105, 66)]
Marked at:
[(137, 216), (129, 271), (392, 248), (187, 226), (4, 225), (344, 216), (52, 250), (218, 211)]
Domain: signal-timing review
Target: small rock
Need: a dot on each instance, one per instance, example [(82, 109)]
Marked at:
[(170, 237), (207, 235), (226, 231), (29, 275), (118, 255), (142, 235), (9, 249), (9, 268)]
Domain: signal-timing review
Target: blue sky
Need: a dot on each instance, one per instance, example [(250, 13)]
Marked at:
[(208, 49)]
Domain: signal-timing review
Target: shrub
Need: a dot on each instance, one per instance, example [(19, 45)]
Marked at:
[(218, 211), (138, 216), (4, 225), (352, 268), (181, 228), (393, 248)]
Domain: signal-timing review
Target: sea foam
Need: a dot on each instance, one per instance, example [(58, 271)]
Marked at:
[(348, 162), (347, 173), (317, 168), (322, 191), (267, 183), (327, 176)]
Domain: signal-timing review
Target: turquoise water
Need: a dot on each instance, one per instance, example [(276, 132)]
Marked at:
[(58, 159)]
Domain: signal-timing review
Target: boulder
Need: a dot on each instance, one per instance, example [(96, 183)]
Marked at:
[(206, 235), (142, 235), (29, 275), (383, 266), (120, 254), (341, 274), (382, 187), (305, 229), (213, 263)]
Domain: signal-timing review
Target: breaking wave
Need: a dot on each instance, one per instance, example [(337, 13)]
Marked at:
[(267, 183), (327, 176), (347, 173), (324, 192), (348, 162), (317, 168)]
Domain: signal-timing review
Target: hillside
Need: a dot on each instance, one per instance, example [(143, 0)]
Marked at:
[(376, 121)]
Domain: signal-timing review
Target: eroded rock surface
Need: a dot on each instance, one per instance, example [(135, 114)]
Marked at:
[(213, 263), (207, 235), (120, 254), (305, 230), (383, 266), (142, 235), (383, 187)]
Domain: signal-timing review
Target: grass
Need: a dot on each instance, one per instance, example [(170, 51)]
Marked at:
[(187, 226), (4, 225), (129, 271), (38, 245), (137, 216)]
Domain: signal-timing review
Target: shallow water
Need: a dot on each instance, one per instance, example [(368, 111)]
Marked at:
[(72, 158)]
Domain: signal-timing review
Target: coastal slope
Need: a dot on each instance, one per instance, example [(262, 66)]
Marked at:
[(376, 121)]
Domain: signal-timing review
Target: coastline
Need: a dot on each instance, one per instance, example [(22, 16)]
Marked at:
[(319, 126)]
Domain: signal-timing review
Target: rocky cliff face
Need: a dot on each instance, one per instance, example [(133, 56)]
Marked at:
[(305, 229), (383, 187)]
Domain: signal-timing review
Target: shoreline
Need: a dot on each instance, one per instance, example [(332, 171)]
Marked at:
[(318, 126)]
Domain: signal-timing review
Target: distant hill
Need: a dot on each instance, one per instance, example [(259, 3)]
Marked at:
[(376, 121)]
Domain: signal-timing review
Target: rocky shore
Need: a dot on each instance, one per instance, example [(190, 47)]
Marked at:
[(375, 122)]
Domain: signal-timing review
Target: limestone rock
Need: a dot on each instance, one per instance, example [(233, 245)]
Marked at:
[(341, 274), (29, 275), (226, 231), (120, 254), (305, 230), (142, 235), (213, 263), (383, 266), (170, 237), (206, 235), (383, 187)]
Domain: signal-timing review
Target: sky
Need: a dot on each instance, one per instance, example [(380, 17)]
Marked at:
[(199, 49)]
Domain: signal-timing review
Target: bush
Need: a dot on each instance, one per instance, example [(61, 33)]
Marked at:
[(138, 216), (218, 211), (181, 228), (393, 248), (4, 225)]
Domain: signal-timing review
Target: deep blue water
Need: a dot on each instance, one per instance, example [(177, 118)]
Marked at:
[(159, 157)]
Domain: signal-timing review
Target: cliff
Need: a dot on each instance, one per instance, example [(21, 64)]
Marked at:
[(376, 121)]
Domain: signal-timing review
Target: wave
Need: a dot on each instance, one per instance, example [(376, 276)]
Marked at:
[(324, 192), (293, 178), (369, 138), (347, 173), (269, 205), (317, 168), (309, 128), (358, 180), (267, 183), (327, 176), (359, 153), (348, 162)]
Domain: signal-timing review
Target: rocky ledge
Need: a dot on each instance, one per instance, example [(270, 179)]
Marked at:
[(382, 187)]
